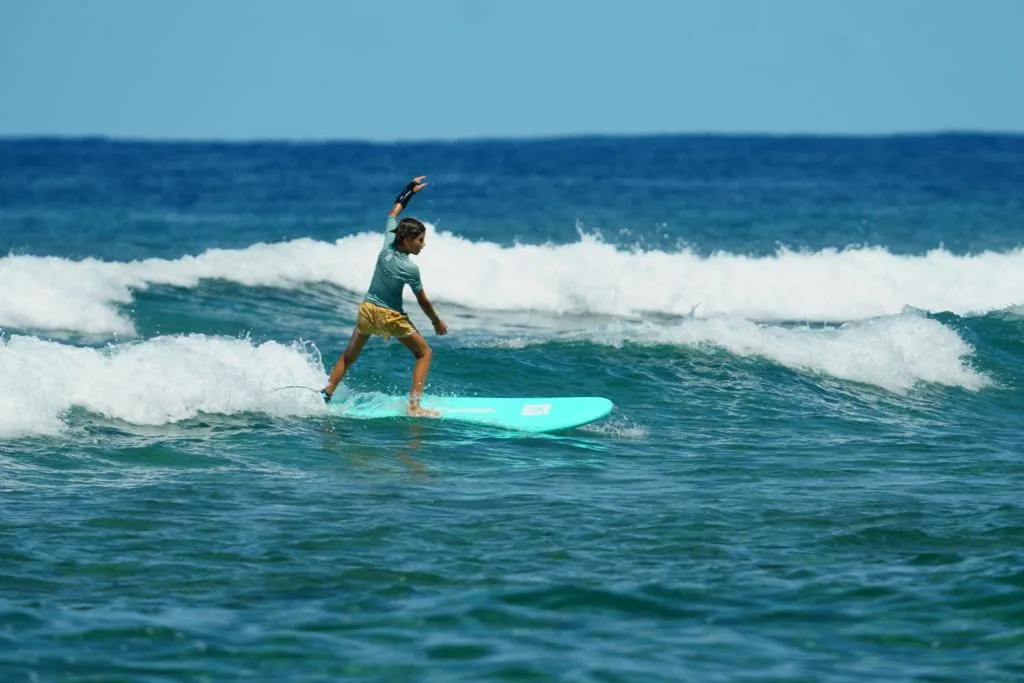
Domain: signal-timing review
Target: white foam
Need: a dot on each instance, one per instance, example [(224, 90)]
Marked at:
[(159, 381), (894, 353), (586, 277), (619, 428), (173, 378)]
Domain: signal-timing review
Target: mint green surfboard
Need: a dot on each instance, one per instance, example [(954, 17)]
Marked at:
[(519, 414)]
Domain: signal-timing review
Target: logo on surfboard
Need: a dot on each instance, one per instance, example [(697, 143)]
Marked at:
[(536, 409)]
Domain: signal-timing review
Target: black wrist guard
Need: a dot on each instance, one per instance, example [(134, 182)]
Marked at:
[(405, 195)]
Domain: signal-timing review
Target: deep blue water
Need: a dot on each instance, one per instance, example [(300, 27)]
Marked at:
[(812, 473)]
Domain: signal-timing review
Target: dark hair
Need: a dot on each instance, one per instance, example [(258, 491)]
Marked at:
[(408, 227)]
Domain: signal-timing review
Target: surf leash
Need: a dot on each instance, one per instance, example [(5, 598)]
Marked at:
[(295, 386)]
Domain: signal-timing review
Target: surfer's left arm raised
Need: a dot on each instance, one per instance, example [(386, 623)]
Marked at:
[(401, 201)]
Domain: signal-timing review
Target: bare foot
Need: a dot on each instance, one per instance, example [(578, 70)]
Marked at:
[(417, 411)]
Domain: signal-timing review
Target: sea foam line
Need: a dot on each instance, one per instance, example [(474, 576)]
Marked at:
[(174, 378), (892, 352), (153, 382), (586, 277)]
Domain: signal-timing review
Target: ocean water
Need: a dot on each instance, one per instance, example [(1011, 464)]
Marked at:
[(814, 470)]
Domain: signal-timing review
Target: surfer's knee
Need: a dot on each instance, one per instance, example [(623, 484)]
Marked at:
[(422, 351)]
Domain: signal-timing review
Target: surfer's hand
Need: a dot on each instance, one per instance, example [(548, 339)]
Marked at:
[(440, 328), (402, 200)]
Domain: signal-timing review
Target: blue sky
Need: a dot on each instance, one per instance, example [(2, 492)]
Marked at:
[(400, 70)]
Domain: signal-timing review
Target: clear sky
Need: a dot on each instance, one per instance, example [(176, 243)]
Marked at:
[(401, 70)]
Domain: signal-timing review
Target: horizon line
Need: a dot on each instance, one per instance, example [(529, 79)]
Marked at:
[(131, 139)]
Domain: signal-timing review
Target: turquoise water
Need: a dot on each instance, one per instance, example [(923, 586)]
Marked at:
[(812, 473)]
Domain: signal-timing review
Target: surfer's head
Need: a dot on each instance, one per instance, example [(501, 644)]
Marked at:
[(410, 236)]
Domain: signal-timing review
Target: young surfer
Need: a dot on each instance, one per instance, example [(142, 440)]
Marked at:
[(381, 311)]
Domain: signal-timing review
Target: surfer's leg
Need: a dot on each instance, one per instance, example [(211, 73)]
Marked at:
[(421, 350), (345, 361)]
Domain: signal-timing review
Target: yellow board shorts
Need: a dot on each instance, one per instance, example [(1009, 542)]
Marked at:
[(383, 322)]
